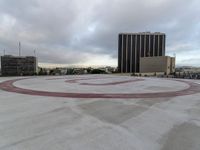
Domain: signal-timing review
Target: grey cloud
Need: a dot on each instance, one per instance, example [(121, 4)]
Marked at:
[(66, 32)]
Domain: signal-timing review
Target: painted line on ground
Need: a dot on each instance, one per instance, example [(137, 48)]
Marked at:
[(10, 87)]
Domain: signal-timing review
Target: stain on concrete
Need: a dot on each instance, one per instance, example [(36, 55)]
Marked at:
[(112, 111), (182, 137), (158, 88), (11, 145), (195, 112), (151, 101)]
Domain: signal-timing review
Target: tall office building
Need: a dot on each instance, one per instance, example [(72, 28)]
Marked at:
[(133, 46)]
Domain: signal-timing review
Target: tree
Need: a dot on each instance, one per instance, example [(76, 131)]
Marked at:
[(98, 71)]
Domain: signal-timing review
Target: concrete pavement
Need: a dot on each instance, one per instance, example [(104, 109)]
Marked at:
[(103, 112)]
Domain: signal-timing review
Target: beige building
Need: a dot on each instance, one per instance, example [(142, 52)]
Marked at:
[(159, 64)]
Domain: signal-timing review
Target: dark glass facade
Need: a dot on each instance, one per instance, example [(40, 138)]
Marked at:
[(16, 66), (132, 46)]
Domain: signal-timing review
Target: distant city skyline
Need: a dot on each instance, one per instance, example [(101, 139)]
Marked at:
[(85, 33)]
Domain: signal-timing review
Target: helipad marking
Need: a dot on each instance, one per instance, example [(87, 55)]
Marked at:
[(102, 84), (8, 86)]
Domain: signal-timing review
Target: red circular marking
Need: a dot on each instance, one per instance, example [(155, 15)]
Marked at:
[(76, 80), (111, 83), (102, 84), (8, 86)]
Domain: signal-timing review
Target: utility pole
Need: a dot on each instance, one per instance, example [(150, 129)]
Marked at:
[(19, 49), (35, 52)]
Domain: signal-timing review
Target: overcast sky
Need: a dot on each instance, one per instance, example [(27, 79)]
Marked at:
[(85, 32)]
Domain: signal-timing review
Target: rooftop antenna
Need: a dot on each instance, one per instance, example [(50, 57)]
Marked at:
[(19, 48), (4, 52), (35, 52)]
